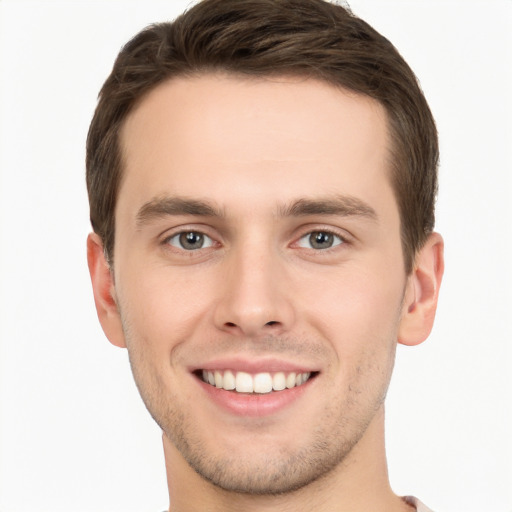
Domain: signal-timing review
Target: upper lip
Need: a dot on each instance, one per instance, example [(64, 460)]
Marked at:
[(261, 365)]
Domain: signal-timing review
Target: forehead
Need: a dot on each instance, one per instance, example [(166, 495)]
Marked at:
[(197, 136)]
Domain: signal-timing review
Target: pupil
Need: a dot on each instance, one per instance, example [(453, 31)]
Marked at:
[(191, 240), (321, 240)]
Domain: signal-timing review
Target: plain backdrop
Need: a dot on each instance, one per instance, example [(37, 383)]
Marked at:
[(75, 435)]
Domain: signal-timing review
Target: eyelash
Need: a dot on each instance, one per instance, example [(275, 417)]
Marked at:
[(338, 240), (308, 236), (178, 235)]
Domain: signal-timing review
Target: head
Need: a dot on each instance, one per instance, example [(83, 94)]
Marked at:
[(261, 178), (301, 38)]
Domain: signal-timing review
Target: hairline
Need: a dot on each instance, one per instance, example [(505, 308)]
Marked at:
[(392, 164)]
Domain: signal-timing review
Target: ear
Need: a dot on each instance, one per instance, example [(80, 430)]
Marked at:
[(104, 291), (422, 291)]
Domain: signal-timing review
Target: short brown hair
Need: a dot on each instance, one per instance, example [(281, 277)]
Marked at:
[(306, 38)]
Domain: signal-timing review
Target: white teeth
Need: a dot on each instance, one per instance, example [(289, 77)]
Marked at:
[(290, 380), (229, 380), (244, 382), (279, 381), (261, 383)]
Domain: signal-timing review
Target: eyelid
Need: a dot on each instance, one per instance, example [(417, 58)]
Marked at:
[(165, 236), (343, 234), (204, 229), (208, 240), (308, 235)]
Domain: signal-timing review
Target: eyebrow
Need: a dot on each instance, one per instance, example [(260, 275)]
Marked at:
[(345, 206), (165, 206)]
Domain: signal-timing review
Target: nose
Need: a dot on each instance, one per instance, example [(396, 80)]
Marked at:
[(254, 296)]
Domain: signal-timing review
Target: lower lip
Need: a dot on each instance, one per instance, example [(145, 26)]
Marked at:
[(254, 404)]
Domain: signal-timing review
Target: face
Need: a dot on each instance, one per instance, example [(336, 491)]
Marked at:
[(258, 273)]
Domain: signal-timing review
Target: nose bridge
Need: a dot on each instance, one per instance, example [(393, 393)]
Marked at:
[(254, 300)]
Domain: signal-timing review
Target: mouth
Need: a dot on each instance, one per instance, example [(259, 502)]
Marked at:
[(258, 383)]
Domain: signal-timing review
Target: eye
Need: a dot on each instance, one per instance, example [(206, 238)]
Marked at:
[(190, 240), (320, 240)]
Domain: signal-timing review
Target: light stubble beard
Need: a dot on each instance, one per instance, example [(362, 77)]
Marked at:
[(276, 474), (340, 427)]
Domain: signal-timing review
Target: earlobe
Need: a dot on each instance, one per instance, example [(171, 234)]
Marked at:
[(104, 291), (422, 292)]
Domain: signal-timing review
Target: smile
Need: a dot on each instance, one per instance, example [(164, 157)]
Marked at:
[(243, 382)]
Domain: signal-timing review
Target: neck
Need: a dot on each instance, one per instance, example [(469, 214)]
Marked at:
[(360, 483)]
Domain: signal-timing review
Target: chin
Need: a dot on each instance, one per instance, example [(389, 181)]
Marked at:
[(265, 471)]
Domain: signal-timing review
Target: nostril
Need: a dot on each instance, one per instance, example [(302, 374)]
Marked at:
[(272, 322)]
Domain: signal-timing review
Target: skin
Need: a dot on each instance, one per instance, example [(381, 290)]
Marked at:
[(259, 291)]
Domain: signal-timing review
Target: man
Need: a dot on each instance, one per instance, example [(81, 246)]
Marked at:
[(262, 176)]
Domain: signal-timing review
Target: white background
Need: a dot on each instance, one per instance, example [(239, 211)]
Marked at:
[(74, 433)]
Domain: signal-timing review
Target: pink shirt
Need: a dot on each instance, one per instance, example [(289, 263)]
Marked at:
[(415, 502)]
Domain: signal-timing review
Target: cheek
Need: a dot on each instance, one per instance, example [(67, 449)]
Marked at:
[(361, 323), (357, 310), (161, 308)]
